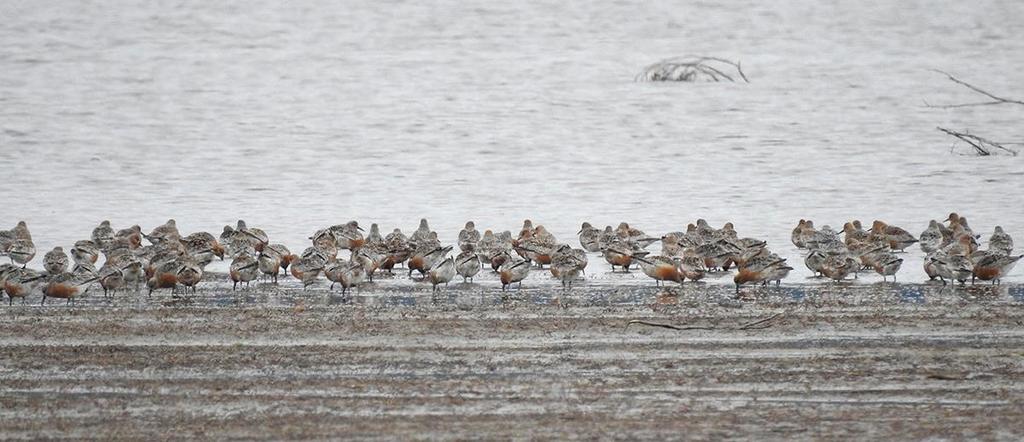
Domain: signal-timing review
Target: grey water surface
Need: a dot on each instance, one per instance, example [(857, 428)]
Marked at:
[(298, 116)]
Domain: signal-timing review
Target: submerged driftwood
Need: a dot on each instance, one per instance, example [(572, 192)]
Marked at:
[(693, 68), (979, 146)]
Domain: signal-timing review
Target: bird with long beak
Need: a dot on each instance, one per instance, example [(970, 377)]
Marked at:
[(887, 264), (589, 238), (269, 263), (287, 258), (190, 274), (442, 273), (948, 267), (426, 261), (306, 269), (899, 239), (514, 272), (620, 253), (21, 252), (66, 286), (661, 268), (111, 279), (347, 273), (203, 247), (349, 236), (994, 267), (19, 282)]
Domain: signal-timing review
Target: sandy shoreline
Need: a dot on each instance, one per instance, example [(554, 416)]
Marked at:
[(859, 361)]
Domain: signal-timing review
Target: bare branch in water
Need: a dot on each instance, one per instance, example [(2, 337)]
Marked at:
[(982, 147), (995, 99), (692, 68)]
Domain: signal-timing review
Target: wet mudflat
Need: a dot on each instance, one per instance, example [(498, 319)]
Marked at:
[(799, 361)]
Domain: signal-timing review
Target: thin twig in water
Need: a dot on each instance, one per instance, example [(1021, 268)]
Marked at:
[(981, 146), (669, 326), (995, 99)]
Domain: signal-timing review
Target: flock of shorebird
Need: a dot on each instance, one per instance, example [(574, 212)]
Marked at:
[(173, 261)]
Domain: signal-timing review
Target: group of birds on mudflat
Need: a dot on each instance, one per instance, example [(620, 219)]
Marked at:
[(952, 251), (174, 261)]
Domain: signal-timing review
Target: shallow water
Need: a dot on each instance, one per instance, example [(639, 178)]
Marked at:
[(295, 118)]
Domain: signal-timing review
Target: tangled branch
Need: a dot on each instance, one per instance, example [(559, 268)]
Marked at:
[(754, 325), (693, 68), (981, 146), (995, 99)]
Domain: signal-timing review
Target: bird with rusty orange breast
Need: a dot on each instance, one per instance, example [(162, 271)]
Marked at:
[(19, 282), (203, 247), (55, 261), (539, 246), (398, 250), (66, 286), (349, 236), (993, 267), (513, 272), (660, 268)]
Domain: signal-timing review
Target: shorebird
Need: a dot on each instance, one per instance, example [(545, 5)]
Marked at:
[(190, 274), (65, 286), (589, 238), (931, 238), (349, 236), (467, 265), (948, 267), (619, 253), (286, 257), (269, 263), (567, 263), (428, 252), (167, 231), (203, 247), (306, 269), (606, 237), (254, 236), (19, 282), (468, 237), (887, 264), (442, 273), (538, 246), (85, 251), (661, 268), (111, 279), (244, 269), (130, 238), (347, 273), (692, 266), (55, 261), (103, 235), (763, 270), (21, 251), (164, 275), (421, 234), (670, 246), (803, 231), (514, 272), (853, 235), (994, 267), (815, 261), (1000, 241), (898, 238), (398, 250)]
